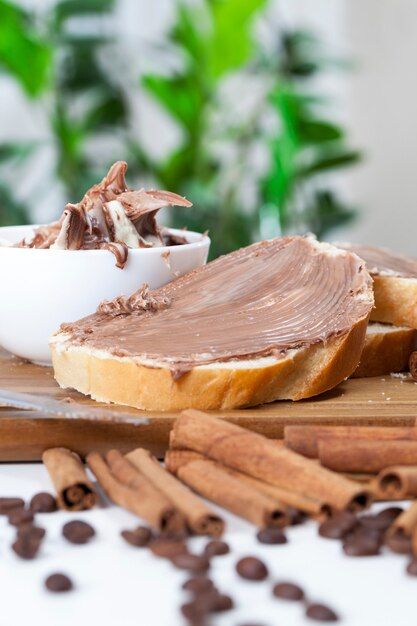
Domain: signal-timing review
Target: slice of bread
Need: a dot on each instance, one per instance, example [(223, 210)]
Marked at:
[(395, 284), (395, 300), (257, 294), (387, 349)]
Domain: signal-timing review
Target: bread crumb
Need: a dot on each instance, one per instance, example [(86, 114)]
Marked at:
[(401, 375)]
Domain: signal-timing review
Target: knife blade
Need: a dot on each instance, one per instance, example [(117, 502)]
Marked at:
[(71, 410)]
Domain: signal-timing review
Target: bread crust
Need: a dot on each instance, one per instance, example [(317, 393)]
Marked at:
[(387, 349), (299, 374), (395, 300)]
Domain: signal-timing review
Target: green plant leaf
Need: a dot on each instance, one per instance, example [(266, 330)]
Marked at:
[(108, 111), (330, 161), (326, 212), (79, 68), (188, 31), (231, 42), (23, 52), (178, 95), (318, 131), (14, 151)]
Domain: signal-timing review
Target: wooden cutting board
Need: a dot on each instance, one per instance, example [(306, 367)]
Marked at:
[(367, 401)]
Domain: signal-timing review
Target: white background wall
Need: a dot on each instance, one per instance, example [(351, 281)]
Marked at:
[(378, 102)]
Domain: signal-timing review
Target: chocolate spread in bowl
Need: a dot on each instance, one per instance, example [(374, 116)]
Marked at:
[(111, 217), (261, 300)]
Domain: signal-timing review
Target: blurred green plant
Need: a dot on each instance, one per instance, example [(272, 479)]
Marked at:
[(293, 195), (214, 38), (308, 146), (55, 64), (214, 42)]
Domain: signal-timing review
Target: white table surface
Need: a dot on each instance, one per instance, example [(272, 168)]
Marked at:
[(118, 585)]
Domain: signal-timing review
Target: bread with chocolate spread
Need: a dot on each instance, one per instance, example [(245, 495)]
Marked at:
[(395, 284), (387, 349), (280, 319)]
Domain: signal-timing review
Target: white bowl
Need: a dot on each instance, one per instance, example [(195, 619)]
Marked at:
[(40, 289)]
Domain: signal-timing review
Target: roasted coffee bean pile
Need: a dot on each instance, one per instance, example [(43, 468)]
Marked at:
[(361, 535), (366, 535), (29, 537), (252, 568), (204, 599)]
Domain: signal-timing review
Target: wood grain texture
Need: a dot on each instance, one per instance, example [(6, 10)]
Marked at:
[(382, 401)]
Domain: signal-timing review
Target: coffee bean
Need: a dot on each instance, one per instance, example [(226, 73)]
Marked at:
[(367, 534), (375, 522), (34, 532), (78, 532), (399, 542), (199, 584), (26, 547), (167, 548), (337, 526), (288, 591), (9, 504), (43, 502), (174, 535), (361, 547), (216, 548), (321, 613), (296, 517), (251, 568), (193, 612), (139, 537), (20, 516), (191, 562), (271, 536), (214, 602), (390, 514), (412, 567), (58, 583)]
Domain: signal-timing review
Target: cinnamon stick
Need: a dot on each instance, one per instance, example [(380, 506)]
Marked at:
[(406, 522), (75, 492), (304, 439), (200, 519), (134, 493), (414, 542), (365, 455), (259, 457), (412, 364), (174, 459), (398, 481), (210, 481)]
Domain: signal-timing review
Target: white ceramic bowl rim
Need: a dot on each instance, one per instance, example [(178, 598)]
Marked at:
[(194, 240)]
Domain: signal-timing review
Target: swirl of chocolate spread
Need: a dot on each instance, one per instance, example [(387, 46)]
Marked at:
[(258, 301), (111, 217)]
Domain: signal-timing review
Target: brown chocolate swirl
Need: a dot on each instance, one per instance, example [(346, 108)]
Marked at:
[(136, 304), (261, 300), (380, 261), (109, 217)]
